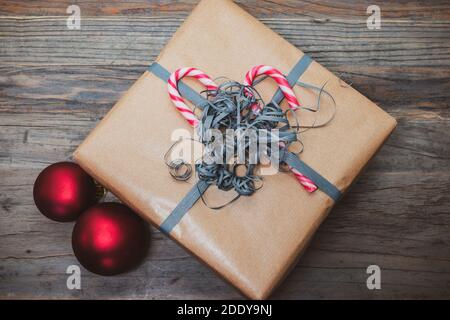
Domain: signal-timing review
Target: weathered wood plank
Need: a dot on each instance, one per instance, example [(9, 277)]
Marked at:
[(410, 9), (137, 40)]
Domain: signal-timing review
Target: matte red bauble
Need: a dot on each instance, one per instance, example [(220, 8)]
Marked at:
[(109, 238), (63, 191)]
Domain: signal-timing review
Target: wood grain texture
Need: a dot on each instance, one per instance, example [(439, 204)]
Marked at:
[(348, 9), (56, 84)]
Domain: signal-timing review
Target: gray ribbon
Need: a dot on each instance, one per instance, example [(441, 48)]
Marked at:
[(180, 210), (287, 157), (323, 184), (293, 76)]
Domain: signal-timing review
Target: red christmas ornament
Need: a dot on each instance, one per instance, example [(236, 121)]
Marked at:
[(109, 238), (63, 190)]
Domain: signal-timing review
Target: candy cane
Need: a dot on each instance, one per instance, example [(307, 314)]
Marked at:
[(304, 181), (189, 115), (289, 94), (278, 77), (175, 96)]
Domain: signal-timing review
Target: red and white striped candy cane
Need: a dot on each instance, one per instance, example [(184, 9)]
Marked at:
[(175, 96), (289, 94), (304, 181), (278, 77)]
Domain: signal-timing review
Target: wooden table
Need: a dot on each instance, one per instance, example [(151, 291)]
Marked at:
[(56, 84)]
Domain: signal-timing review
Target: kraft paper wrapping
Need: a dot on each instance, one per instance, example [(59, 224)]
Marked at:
[(253, 242)]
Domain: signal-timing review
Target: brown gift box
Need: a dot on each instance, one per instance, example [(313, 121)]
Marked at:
[(253, 242)]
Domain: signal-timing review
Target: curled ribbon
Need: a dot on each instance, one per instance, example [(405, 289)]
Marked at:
[(237, 106), (293, 105)]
